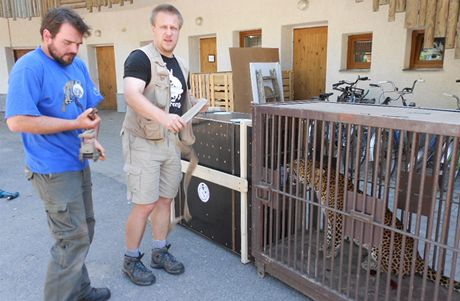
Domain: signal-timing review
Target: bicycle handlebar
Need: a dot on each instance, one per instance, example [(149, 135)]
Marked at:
[(350, 84), (400, 93), (454, 97)]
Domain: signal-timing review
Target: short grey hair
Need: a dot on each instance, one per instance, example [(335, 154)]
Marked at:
[(166, 8)]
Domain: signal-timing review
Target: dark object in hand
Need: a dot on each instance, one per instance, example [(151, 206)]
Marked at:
[(92, 114)]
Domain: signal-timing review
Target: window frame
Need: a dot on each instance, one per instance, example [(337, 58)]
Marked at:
[(247, 33), (416, 49), (351, 64)]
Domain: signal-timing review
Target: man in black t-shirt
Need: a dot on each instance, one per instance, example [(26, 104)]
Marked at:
[(138, 65), (157, 95)]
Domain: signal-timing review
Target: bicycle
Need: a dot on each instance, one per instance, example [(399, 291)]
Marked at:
[(351, 93), (389, 152), (448, 148), (400, 94)]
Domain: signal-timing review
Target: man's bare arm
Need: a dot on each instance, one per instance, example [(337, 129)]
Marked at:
[(133, 89), (51, 125)]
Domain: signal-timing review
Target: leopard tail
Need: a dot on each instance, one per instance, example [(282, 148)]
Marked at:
[(431, 275)]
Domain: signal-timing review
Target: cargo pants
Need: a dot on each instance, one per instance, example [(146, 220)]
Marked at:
[(67, 199)]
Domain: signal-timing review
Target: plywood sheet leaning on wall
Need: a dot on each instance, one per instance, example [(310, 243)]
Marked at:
[(240, 59)]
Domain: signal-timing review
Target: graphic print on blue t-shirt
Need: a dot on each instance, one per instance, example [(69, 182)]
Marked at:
[(73, 92)]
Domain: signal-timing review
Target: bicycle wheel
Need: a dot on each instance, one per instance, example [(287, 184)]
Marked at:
[(356, 150), (382, 154), (451, 161)]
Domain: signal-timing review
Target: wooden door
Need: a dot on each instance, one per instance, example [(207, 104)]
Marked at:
[(20, 52), (208, 55), (310, 58), (107, 79)]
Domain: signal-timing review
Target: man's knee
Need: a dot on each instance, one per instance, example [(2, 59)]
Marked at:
[(144, 209), (162, 201), (71, 250)]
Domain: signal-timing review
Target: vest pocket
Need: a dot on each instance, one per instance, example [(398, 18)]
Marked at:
[(161, 92), (152, 130)]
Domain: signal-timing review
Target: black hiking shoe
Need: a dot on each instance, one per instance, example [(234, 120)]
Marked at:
[(137, 272), (162, 259), (97, 294)]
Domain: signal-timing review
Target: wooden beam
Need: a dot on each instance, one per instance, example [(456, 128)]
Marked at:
[(457, 47), (452, 21), (422, 13), (430, 23), (375, 5), (442, 11), (400, 5), (392, 11), (412, 7)]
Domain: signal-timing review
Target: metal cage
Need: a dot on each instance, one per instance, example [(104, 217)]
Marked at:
[(357, 202)]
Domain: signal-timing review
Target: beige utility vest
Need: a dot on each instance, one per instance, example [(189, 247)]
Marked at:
[(158, 92)]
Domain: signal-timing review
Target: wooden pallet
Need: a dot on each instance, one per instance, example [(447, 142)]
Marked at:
[(218, 88)]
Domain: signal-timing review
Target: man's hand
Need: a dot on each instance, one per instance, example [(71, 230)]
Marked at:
[(100, 149), (88, 119), (172, 122), (52, 125)]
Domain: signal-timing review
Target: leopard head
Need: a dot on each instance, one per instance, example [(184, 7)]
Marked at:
[(301, 171)]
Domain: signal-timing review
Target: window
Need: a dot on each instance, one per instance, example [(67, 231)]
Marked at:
[(18, 53), (251, 38), (426, 57), (359, 51)]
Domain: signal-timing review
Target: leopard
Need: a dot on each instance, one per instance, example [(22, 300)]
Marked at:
[(332, 196)]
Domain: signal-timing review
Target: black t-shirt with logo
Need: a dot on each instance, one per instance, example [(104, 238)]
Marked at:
[(138, 65)]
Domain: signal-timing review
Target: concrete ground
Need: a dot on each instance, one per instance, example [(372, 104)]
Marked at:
[(212, 272)]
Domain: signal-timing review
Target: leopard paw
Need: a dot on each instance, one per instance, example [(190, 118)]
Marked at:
[(368, 264)]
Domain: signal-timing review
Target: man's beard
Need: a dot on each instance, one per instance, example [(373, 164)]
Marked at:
[(60, 59)]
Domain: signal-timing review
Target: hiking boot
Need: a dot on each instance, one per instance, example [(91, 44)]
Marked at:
[(137, 272), (162, 259), (97, 294)]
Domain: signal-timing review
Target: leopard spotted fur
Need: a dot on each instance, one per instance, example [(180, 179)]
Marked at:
[(334, 198)]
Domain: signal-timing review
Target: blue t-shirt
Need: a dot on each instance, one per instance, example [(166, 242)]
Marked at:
[(40, 86)]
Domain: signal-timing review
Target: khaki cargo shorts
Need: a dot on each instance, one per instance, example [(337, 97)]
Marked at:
[(153, 168)]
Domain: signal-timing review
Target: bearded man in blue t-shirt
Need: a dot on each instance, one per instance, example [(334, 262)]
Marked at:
[(50, 102)]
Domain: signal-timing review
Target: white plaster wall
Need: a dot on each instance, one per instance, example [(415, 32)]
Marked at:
[(4, 42), (125, 28)]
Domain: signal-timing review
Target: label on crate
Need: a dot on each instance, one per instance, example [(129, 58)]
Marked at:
[(203, 192)]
